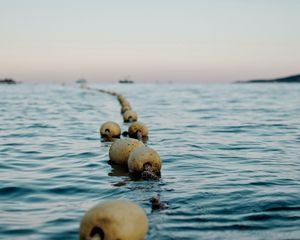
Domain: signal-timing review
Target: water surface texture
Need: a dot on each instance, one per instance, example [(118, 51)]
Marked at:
[(231, 159)]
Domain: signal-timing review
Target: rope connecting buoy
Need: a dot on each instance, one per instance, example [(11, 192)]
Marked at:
[(130, 116), (121, 149), (114, 219), (145, 161), (138, 130), (110, 130)]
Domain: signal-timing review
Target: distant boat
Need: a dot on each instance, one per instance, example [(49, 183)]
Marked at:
[(7, 81), (126, 81), (81, 81), (290, 79)]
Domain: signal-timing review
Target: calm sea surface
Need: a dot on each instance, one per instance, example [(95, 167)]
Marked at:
[(230, 152)]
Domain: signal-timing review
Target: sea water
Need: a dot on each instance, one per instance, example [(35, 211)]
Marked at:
[(230, 153)]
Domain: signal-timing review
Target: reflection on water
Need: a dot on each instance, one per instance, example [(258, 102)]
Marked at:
[(230, 158), (118, 170)]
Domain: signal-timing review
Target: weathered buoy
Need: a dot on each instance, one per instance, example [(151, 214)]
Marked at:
[(125, 103), (120, 150), (157, 204), (120, 98), (130, 116), (145, 161), (110, 130), (138, 130), (125, 108), (112, 93), (114, 219)]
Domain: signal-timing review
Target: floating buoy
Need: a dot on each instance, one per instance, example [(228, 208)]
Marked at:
[(138, 130), (125, 103), (125, 108), (123, 100), (110, 130), (120, 98), (145, 161), (130, 116), (157, 204), (120, 150), (114, 219), (111, 93)]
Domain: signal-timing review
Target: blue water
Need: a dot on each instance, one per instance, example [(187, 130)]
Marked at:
[(231, 159)]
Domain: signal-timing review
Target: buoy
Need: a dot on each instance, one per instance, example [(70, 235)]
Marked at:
[(114, 219), (110, 130), (145, 161), (157, 204), (120, 150), (138, 130), (130, 116), (111, 93), (125, 103), (123, 100), (120, 98), (125, 108)]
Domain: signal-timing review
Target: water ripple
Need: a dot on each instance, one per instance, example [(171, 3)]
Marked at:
[(230, 159)]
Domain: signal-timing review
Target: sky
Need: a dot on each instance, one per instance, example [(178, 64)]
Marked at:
[(149, 41)]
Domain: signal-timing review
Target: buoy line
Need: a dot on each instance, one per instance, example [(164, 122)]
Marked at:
[(119, 218)]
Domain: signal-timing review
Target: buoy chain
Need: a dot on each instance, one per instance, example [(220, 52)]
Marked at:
[(103, 220), (127, 151)]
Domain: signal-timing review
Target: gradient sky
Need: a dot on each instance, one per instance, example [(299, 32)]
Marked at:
[(157, 40)]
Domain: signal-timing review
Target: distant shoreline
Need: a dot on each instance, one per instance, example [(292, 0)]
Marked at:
[(289, 79), (7, 81)]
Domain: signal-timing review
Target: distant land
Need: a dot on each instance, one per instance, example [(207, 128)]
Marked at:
[(290, 79), (7, 81)]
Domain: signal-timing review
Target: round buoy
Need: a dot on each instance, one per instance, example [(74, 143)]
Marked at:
[(125, 108), (125, 103), (120, 150), (130, 116), (112, 93), (114, 219), (120, 98), (145, 161), (110, 130), (157, 204), (137, 130)]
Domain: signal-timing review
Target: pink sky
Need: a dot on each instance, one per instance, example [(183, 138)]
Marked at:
[(193, 41)]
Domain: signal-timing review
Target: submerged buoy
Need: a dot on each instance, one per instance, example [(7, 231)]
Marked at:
[(130, 116), (145, 161), (110, 130), (157, 204), (138, 130), (114, 219), (120, 150)]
